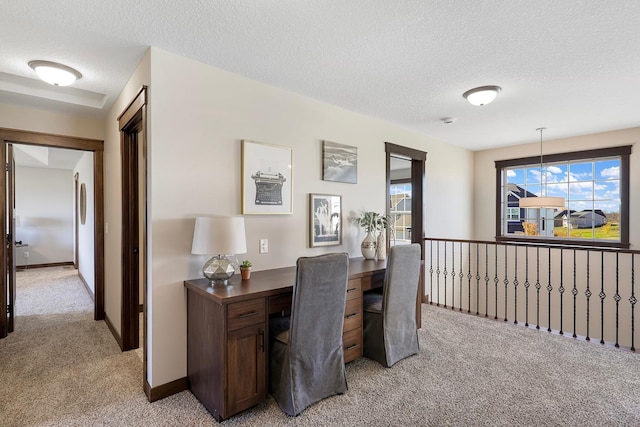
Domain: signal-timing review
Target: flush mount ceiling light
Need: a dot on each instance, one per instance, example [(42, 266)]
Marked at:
[(54, 73), (482, 95)]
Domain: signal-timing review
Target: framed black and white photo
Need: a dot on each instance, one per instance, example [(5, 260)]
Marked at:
[(325, 220), (339, 162), (267, 178)]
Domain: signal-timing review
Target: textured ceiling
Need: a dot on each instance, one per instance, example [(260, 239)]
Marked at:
[(571, 66)]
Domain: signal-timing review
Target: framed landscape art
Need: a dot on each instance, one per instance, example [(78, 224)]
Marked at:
[(339, 162), (267, 178), (325, 220)]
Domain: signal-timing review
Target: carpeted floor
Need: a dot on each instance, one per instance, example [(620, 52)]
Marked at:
[(58, 368)]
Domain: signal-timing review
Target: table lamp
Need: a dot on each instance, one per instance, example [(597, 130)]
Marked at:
[(223, 237)]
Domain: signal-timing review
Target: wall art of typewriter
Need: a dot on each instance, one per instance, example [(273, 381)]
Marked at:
[(268, 188)]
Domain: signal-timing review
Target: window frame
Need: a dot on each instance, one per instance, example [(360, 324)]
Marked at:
[(624, 152)]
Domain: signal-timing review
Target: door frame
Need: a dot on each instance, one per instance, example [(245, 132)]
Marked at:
[(132, 124), (418, 160), (16, 136), (76, 220)]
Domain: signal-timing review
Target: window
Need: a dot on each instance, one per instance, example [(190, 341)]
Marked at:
[(401, 211), (593, 183), (513, 214)]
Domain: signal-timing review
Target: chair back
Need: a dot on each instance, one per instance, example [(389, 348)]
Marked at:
[(317, 312), (401, 287)]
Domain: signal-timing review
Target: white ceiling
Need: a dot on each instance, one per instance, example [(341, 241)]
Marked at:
[(571, 66), (46, 157)]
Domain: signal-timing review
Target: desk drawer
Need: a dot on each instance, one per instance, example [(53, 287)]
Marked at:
[(354, 289), (352, 345), (353, 315), (246, 313)]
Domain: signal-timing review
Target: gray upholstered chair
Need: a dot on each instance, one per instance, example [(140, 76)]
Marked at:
[(306, 362), (389, 322)]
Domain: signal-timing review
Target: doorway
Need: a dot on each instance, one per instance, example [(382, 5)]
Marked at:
[(27, 138), (405, 200)]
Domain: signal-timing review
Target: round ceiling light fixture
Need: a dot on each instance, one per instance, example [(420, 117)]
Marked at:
[(54, 73), (482, 95)]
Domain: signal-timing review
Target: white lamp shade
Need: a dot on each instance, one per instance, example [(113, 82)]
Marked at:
[(219, 236), (482, 95), (541, 202)]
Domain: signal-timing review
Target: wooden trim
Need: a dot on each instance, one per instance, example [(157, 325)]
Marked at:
[(3, 247), (76, 220), (623, 150), (50, 140), (405, 151), (165, 390), (141, 308), (127, 115), (51, 264), (74, 143), (115, 333), (98, 233)]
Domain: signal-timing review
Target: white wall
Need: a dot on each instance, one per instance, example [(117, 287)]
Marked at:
[(198, 117), (44, 203), (485, 174), (86, 235), (30, 119)]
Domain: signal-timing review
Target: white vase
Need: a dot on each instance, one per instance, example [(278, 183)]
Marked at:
[(368, 246), (381, 245)]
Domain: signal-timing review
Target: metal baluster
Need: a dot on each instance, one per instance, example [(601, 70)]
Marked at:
[(461, 275), (602, 296), (506, 280), (445, 273), (549, 289), (633, 300), (515, 288), (495, 281), (574, 292), (477, 279), (486, 280), (587, 293), (438, 272), (561, 290), (453, 275), (431, 272), (617, 299), (469, 277), (538, 286), (526, 286)]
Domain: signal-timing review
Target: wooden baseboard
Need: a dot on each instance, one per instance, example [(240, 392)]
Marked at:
[(165, 390), (86, 285), (425, 299), (115, 334), (53, 264)]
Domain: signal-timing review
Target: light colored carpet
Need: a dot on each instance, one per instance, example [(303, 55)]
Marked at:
[(58, 369)]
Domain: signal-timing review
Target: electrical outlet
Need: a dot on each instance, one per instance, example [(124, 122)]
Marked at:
[(26, 254), (264, 246)]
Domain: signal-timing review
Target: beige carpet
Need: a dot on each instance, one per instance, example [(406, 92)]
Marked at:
[(59, 369)]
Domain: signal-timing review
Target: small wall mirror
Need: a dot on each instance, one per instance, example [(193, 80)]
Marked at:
[(83, 203)]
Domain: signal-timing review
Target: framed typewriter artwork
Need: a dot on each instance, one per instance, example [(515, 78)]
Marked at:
[(267, 178)]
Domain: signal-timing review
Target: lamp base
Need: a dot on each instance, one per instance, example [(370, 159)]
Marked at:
[(220, 269)]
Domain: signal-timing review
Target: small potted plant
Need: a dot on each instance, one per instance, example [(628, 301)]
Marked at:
[(245, 269)]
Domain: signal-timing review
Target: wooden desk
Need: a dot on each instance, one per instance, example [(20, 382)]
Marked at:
[(228, 334)]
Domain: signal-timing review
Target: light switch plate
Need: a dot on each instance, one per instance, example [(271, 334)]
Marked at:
[(264, 246)]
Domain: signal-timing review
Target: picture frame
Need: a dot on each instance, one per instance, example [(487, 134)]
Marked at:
[(325, 220), (267, 178), (339, 162)]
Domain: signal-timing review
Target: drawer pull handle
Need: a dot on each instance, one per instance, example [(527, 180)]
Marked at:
[(352, 289), (250, 314), (351, 347), (351, 316)]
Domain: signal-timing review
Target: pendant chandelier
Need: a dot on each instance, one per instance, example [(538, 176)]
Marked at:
[(543, 201)]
